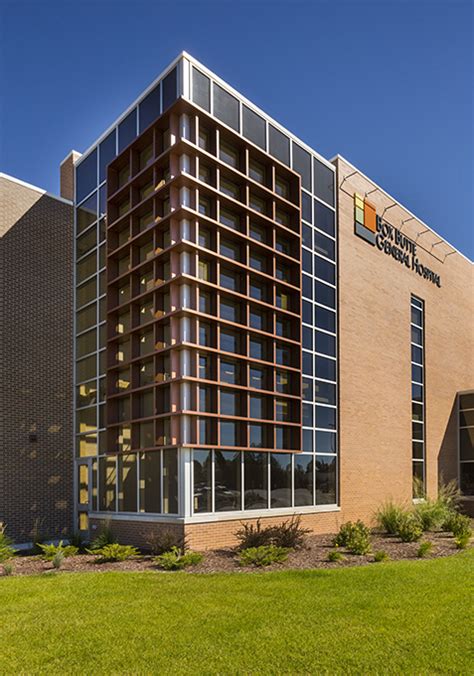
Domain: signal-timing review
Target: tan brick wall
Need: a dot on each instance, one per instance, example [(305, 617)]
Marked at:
[(66, 175), (35, 361), (375, 391)]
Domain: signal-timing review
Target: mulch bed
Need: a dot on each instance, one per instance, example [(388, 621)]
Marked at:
[(314, 556)]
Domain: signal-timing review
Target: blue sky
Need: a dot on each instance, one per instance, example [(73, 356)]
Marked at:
[(386, 83)]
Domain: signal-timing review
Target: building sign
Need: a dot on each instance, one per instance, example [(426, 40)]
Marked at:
[(388, 239)]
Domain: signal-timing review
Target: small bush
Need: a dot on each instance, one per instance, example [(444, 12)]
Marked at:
[(160, 542), (461, 541), (264, 555), (347, 532), (252, 535), (76, 540), (388, 517), (104, 538), (335, 555), (424, 549), (359, 543), (381, 556), (175, 559), (58, 559), (460, 525), (449, 494), (409, 529), (114, 552), (289, 534), (50, 551), (6, 550), (7, 569)]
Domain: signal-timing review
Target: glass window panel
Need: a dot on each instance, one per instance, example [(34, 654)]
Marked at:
[(280, 480), (325, 319), (127, 130), (107, 483), (127, 483), (86, 419), (307, 236), (466, 418), (466, 401), (417, 431), (86, 445), (227, 487), (86, 267), (326, 442), (326, 417), (416, 335), (324, 218), (416, 316), (324, 294), (228, 433), (150, 482), (86, 213), (325, 480), (228, 372), (417, 354), (417, 373), (253, 127), (170, 482), (466, 443), (86, 343), (226, 107), (256, 436), (106, 154), (467, 478), (307, 363), (323, 182), (306, 207), (307, 338), (302, 164), (418, 450), (256, 480), (324, 270), (256, 407), (86, 242), (229, 402), (202, 476), (325, 343), (170, 86), (303, 480), (325, 393), (308, 415), (325, 368), (324, 245), (149, 108), (86, 369), (86, 176), (86, 318), (201, 90), (279, 145)]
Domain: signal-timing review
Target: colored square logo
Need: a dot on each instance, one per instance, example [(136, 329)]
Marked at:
[(365, 219)]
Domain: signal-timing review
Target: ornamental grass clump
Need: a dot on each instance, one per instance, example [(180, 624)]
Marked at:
[(175, 559), (262, 556), (381, 556), (50, 550), (253, 535), (289, 534), (6, 549), (57, 560), (7, 569), (409, 529), (114, 552), (335, 556), (431, 514), (105, 537), (388, 517)]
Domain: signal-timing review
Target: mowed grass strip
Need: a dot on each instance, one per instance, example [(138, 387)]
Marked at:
[(401, 617)]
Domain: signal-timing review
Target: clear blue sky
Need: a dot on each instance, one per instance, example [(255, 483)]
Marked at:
[(386, 83)]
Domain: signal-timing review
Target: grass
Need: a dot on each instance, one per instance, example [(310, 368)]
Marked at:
[(402, 617)]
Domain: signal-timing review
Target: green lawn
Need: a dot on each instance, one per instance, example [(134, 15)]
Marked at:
[(401, 618)]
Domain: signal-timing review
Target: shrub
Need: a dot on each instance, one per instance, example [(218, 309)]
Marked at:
[(335, 555), (7, 569), (175, 559), (431, 513), (252, 535), (347, 532), (76, 540), (50, 551), (409, 529), (114, 552), (160, 542), (6, 550), (359, 543), (381, 556), (388, 517), (58, 559), (449, 494), (289, 534), (461, 541), (460, 524), (424, 549), (104, 538), (264, 555)]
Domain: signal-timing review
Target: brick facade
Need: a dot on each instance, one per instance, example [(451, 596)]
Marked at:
[(36, 476)]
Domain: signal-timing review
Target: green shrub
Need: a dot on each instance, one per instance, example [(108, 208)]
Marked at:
[(335, 555), (77, 540), (424, 549), (449, 494), (409, 529), (58, 559), (50, 551), (6, 549), (461, 541), (359, 543), (105, 537), (252, 535), (264, 555), (388, 517), (162, 541), (289, 534), (381, 556), (431, 514), (176, 560), (460, 525), (7, 569), (114, 552), (348, 531)]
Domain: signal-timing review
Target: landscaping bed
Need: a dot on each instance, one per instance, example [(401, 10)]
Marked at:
[(313, 555)]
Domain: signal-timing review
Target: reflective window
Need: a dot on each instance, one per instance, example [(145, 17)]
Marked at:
[(278, 145), (324, 218), (150, 482), (86, 176), (324, 294), (280, 480), (324, 245), (226, 107), (325, 368), (302, 164), (202, 474), (106, 154), (325, 480), (323, 182), (170, 85), (303, 478), (170, 482), (201, 90), (256, 480), (149, 108), (127, 130), (253, 127), (227, 481)]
